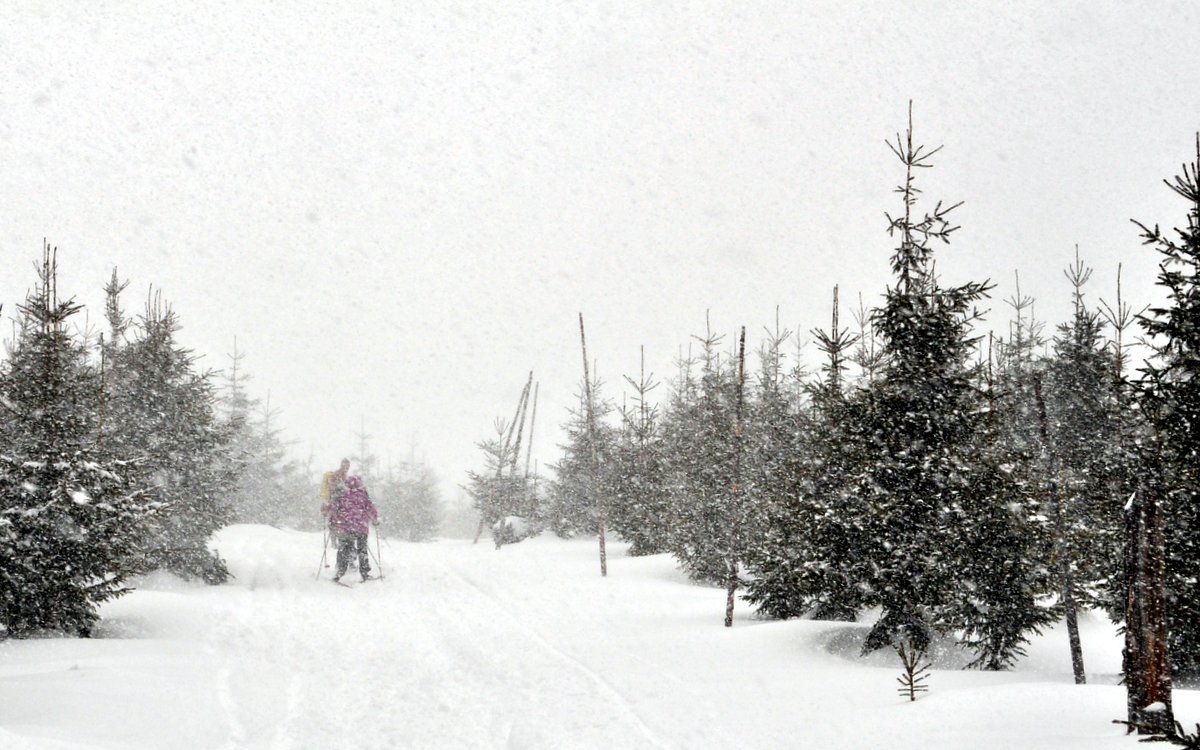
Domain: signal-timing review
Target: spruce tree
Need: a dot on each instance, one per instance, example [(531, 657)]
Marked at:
[(271, 488), (70, 518), (1169, 395), (1007, 501), (830, 512), (919, 416), (1078, 410), (803, 561), (571, 497), (699, 429), (498, 491), (162, 411), (639, 510), (947, 546)]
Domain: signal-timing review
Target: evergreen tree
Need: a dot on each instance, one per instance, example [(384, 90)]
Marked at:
[(1170, 398), (830, 514), (699, 430), (948, 547), (498, 492), (271, 487), (410, 504), (255, 446), (1078, 420), (799, 565), (363, 458), (1008, 500), (235, 401), (572, 495), (639, 510), (163, 412), (918, 415), (69, 517)]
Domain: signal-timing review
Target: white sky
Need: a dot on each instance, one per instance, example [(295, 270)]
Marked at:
[(399, 209)]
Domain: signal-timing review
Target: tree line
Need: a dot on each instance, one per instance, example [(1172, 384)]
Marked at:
[(120, 454), (944, 481)]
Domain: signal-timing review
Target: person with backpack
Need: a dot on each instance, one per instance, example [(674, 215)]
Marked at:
[(333, 485), (350, 517)]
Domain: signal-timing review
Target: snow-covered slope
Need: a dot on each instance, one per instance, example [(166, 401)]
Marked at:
[(527, 647)]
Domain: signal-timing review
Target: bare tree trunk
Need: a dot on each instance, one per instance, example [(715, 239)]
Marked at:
[(735, 520), (532, 421), (1072, 617), (1146, 662), (1062, 549), (591, 428), (522, 410)]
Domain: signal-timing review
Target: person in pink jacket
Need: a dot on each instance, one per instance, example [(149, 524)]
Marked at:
[(351, 516)]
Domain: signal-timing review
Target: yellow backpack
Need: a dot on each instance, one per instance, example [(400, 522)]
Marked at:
[(325, 488)]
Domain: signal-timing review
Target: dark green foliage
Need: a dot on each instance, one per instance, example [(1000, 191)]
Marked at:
[(1169, 395), (640, 510), (801, 563), (919, 418), (698, 436), (70, 517), (947, 534), (571, 499), (68, 534), (1083, 406), (161, 411)]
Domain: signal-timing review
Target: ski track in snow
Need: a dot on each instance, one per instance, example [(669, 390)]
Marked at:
[(424, 658), (606, 686)]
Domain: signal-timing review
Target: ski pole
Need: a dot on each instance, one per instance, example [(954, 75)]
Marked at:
[(375, 558), (377, 554), (324, 551)]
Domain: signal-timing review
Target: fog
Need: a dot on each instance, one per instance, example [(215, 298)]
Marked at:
[(399, 211)]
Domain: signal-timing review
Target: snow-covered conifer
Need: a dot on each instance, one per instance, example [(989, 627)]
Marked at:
[(498, 491), (937, 522), (800, 565), (70, 518), (700, 431), (639, 510), (1170, 398), (571, 498), (162, 410)]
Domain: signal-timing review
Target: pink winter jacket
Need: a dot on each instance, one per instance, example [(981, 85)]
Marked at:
[(353, 511)]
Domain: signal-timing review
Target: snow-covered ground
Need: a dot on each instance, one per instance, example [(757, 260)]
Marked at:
[(464, 646)]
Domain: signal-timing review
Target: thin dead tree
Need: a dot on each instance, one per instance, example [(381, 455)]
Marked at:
[(532, 421), (736, 521), (522, 412), (590, 415), (531, 485)]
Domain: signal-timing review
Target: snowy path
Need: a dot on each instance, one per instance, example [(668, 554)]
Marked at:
[(422, 656), (465, 647)]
